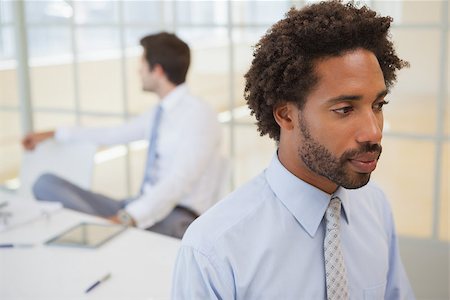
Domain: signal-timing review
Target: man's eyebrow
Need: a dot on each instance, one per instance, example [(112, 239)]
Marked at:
[(343, 98), (382, 94)]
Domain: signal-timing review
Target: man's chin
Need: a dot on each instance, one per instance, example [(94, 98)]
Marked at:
[(357, 182)]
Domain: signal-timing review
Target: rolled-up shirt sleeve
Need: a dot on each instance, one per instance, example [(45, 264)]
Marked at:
[(135, 129)]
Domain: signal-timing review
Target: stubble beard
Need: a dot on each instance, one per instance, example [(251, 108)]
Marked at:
[(336, 169)]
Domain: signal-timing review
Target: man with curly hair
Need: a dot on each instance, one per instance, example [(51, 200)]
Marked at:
[(311, 226)]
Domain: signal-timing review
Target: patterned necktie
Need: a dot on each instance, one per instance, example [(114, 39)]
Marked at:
[(336, 276), (150, 176)]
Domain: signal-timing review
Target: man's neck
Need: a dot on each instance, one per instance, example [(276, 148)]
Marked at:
[(296, 166), (165, 89)]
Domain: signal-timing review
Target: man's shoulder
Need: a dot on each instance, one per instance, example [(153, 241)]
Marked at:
[(238, 207), (196, 106), (194, 99)]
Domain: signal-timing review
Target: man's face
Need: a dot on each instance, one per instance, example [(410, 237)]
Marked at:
[(147, 75), (340, 126), (337, 168)]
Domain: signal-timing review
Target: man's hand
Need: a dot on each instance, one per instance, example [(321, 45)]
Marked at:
[(114, 219), (31, 140)]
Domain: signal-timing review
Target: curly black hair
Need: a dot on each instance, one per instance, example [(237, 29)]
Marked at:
[(283, 60)]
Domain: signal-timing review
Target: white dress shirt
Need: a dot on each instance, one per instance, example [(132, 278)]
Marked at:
[(265, 241), (187, 149)]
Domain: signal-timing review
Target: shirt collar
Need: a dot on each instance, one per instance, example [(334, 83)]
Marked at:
[(170, 101), (306, 202)]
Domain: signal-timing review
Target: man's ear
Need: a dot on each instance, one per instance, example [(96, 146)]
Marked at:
[(158, 69), (285, 114)]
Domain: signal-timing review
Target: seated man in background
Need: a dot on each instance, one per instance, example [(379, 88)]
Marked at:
[(184, 139), (311, 226)]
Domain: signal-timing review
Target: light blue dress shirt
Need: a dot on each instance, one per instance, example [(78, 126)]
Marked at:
[(265, 241)]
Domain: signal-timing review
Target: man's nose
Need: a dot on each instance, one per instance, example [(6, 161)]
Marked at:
[(370, 128)]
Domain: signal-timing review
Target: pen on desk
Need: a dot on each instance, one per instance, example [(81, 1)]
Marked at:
[(103, 279), (16, 245)]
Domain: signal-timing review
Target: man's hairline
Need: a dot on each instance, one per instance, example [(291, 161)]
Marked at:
[(316, 78)]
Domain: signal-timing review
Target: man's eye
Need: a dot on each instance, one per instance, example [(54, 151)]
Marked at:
[(379, 106), (343, 110)]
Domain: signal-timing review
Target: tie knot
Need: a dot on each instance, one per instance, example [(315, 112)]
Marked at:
[(333, 214)]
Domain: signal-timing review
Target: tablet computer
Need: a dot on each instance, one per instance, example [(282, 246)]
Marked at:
[(86, 235)]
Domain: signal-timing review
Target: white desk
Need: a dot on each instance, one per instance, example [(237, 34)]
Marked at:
[(140, 262)]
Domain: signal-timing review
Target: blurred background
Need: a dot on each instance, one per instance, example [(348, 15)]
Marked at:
[(75, 62)]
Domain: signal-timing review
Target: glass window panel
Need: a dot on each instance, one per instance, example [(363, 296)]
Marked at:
[(413, 99), (10, 127), (54, 12), (44, 91), (110, 177), (444, 226), (8, 87), (416, 12), (226, 140), (10, 147), (447, 96), (48, 41), (201, 12), (202, 38), (393, 9), (407, 12), (6, 42), (49, 120), (6, 11), (413, 114), (91, 41), (239, 86), (405, 172), (100, 121), (94, 12), (244, 40), (357, 3), (253, 153), (152, 12), (100, 86), (208, 76), (259, 12), (447, 119), (109, 160), (134, 35)]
